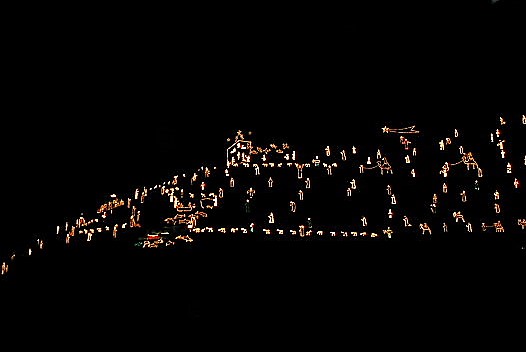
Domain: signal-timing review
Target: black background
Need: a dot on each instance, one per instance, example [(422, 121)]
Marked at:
[(101, 99)]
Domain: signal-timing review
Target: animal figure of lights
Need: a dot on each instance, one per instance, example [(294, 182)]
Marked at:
[(425, 228), (458, 216)]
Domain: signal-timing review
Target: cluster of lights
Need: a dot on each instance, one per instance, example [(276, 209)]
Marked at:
[(191, 205)]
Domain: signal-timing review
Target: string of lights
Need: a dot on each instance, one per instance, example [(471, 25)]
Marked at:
[(269, 191)]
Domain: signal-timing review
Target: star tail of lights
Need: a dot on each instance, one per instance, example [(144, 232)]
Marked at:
[(405, 130)]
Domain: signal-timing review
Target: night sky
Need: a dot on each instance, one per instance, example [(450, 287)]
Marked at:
[(102, 100)]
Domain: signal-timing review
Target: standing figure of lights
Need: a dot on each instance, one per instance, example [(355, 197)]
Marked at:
[(364, 221), (247, 206), (501, 144), (300, 170), (292, 206), (342, 153), (463, 196)]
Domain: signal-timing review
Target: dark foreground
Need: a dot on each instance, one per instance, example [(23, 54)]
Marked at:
[(218, 280)]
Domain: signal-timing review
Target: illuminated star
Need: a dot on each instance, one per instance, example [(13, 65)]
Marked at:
[(385, 129)]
